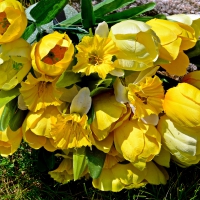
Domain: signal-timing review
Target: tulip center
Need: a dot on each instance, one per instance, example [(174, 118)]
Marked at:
[(55, 55), (94, 59), (4, 23)]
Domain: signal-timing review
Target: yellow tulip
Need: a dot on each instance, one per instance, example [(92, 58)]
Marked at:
[(38, 93), (15, 63), (126, 176), (37, 126), (9, 140), (193, 78), (138, 144), (12, 19), (192, 20), (175, 37), (52, 54), (137, 43), (182, 142), (107, 111), (182, 105)]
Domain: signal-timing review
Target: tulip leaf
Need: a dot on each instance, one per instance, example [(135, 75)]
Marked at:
[(45, 10), (98, 91), (91, 115), (108, 6), (46, 160), (79, 162), (6, 96), (87, 14), (99, 10), (29, 30), (195, 51), (17, 119), (96, 160), (127, 14), (7, 114), (68, 78)]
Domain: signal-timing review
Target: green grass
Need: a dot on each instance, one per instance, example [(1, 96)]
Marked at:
[(20, 179)]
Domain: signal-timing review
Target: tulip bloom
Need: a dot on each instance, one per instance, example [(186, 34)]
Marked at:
[(137, 43), (192, 20), (13, 20), (52, 54), (182, 105), (9, 140), (193, 78), (138, 144), (174, 37), (37, 126), (126, 176), (38, 93), (15, 63), (182, 142)]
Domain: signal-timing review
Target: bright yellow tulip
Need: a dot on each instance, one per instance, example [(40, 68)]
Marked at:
[(52, 54), (182, 142), (139, 143), (182, 105), (193, 78), (13, 20), (175, 37), (15, 63), (137, 43), (37, 126), (192, 20), (9, 140)]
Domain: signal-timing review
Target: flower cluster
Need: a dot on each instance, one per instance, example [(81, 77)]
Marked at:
[(102, 97)]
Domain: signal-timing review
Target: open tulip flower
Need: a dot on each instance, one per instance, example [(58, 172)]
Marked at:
[(111, 94), (138, 45), (15, 63), (52, 54), (182, 142), (13, 20), (174, 37)]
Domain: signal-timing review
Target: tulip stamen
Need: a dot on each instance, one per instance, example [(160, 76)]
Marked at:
[(4, 23), (55, 55)]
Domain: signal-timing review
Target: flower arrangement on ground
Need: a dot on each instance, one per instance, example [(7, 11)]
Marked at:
[(101, 91)]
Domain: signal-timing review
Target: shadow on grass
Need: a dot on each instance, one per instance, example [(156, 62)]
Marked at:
[(21, 180)]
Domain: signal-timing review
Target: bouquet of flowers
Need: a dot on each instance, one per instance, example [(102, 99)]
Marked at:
[(108, 92)]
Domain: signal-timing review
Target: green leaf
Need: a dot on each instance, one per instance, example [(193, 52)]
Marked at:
[(98, 91), (87, 14), (6, 96), (68, 78), (108, 6), (195, 51), (127, 14), (79, 162), (7, 114), (17, 119), (45, 10), (99, 10), (91, 115), (46, 160), (29, 30), (96, 160)]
